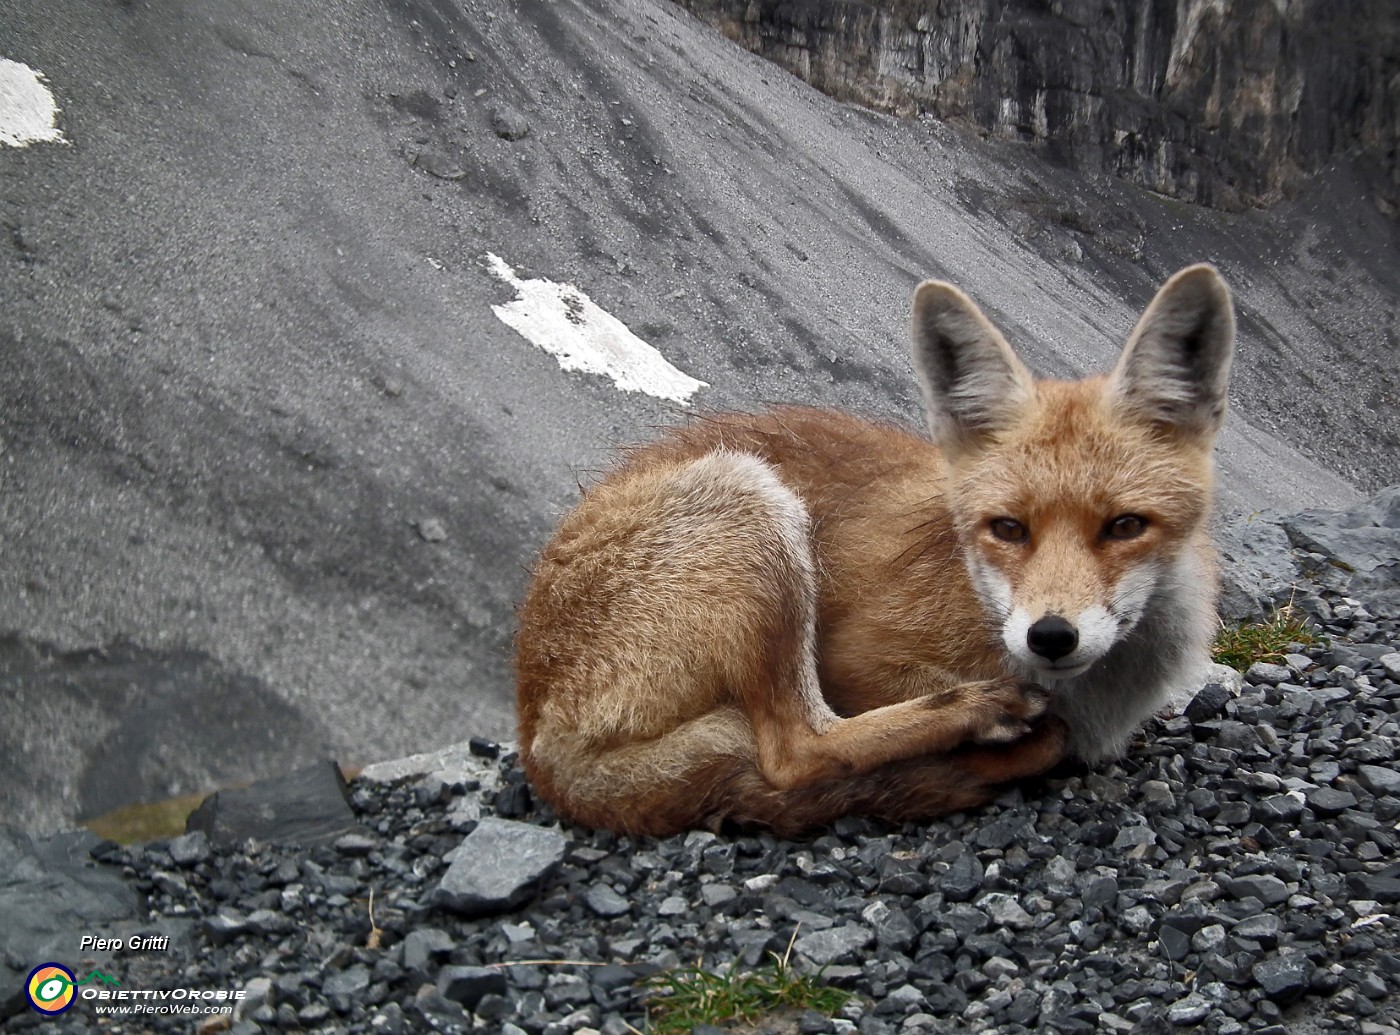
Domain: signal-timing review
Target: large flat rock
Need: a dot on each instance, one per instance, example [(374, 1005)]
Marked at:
[(51, 894), (1270, 557), (498, 866), (309, 806)]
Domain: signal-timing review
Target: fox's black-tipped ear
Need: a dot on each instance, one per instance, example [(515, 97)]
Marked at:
[(1175, 369), (973, 383)]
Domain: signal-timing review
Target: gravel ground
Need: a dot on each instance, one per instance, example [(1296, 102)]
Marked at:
[(1237, 872)]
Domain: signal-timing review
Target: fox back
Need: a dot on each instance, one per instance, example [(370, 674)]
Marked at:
[(703, 628)]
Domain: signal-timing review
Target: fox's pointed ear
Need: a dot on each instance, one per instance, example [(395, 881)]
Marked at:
[(1175, 369), (973, 383)]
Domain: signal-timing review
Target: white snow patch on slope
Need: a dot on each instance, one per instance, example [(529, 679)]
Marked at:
[(28, 112), (567, 324)]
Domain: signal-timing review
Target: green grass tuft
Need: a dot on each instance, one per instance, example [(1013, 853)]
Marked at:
[(1240, 646), (682, 998)]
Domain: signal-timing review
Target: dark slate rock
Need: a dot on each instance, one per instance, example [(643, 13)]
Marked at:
[(1208, 704), (189, 849), (1379, 779), (902, 877), (1372, 985), (1024, 1008), (1233, 734), (1209, 939), (1372, 750), (1004, 831), (834, 945), (1175, 943), (1068, 933), (1265, 887), (1189, 1011), (270, 922), (1380, 887), (1265, 928), (1232, 813), (422, 944), (1005, 911), (1131, 837), (513, 801), (1070, 1025), (896, 931), (224, 927), (1099, 892), (308, 807), (1267, 672), (1330, 801), (963, 878), (435, 1008), (468, 985), (606, 902), (492, 1007), (445, 166), (1233, 969), (611, 977), (313, 1014), (754, 946), (356, 844), (498, 867), (1278, 808), (1344, 654), (483, 748), (566, 990), (349, 982), (964, 920), (1284, 978)]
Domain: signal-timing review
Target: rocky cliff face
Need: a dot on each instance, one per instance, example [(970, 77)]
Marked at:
[(1223, 102)]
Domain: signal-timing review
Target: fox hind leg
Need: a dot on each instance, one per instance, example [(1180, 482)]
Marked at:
[(671, 607)]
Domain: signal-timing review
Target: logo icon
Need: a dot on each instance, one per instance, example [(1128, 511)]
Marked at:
[(50, 988), (100, 978)]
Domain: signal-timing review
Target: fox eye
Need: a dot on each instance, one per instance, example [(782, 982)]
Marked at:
[(1127, 526), (1009, 530)]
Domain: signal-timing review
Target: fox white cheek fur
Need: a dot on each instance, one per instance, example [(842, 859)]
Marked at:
[(993, 589), (1133, 593), (1098, 632)]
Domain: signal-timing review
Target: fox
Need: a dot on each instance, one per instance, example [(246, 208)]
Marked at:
[(775, 619)]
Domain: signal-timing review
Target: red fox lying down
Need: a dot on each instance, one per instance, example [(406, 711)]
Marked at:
[(776, 619)]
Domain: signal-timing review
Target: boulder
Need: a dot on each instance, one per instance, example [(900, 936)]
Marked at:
[(310, 806)]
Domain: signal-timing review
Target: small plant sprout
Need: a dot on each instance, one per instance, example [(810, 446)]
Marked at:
[(687, 996), (1240, 646)]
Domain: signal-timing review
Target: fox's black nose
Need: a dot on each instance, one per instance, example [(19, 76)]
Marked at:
[(1052, 637)]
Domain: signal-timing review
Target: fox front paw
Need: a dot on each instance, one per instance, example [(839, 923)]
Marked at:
[(1004, 711)]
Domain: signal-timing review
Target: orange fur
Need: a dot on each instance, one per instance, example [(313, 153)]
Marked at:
[(783, 617)]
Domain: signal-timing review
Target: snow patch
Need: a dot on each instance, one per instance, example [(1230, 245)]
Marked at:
[(28, 112), (567, 324)]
